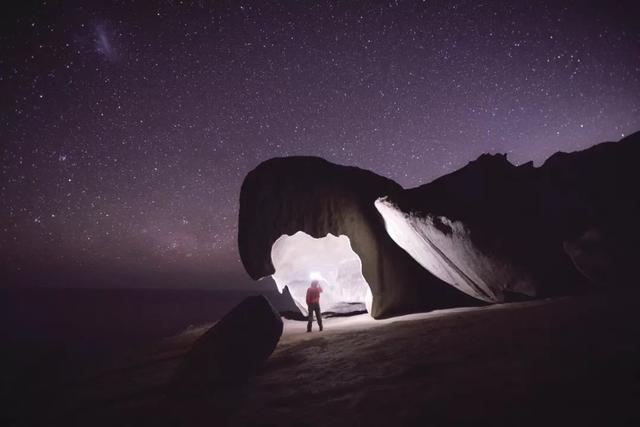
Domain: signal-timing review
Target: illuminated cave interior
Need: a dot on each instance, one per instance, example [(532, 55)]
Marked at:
[(300, 258)]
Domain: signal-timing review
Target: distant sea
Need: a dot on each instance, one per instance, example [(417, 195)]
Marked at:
[(52, 339), (86, 321)]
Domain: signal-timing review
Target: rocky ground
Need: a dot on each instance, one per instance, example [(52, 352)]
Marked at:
[(567, 361)]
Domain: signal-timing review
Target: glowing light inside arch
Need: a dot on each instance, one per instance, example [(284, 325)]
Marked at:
[(300, 258)]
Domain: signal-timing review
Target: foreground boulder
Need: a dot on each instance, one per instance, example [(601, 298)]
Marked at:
[(236, 347)]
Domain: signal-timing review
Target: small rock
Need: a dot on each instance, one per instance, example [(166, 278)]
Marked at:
[(236, 347)]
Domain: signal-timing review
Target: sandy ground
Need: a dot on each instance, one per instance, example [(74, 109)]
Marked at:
[(568, 361)]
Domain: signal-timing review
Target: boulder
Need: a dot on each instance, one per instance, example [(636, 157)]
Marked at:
[(236, 347)]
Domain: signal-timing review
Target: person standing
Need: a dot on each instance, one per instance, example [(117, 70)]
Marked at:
[(313, 304)]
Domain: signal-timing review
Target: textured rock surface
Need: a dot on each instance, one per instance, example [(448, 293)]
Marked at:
[(287, 195), (235, 347), (446, 249), (500, 232)]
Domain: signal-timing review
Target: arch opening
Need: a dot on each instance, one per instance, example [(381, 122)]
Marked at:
[(300, 258)]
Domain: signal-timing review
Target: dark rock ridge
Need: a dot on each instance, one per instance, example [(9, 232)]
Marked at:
[(235, 348), (502, 232), (491, 230), (309, 194)]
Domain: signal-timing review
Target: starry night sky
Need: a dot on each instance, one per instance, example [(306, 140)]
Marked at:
[(126, 128)]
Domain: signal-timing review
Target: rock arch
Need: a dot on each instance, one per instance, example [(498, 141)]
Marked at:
[(309, 194)]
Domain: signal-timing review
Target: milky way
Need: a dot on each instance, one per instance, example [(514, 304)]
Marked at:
[(126, 129)]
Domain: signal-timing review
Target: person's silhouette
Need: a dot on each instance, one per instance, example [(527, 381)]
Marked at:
[(313, 304)]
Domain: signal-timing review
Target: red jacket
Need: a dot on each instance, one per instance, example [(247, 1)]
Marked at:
[(313, 295)]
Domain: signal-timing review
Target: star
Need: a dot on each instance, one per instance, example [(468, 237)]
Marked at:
[(131, 125)]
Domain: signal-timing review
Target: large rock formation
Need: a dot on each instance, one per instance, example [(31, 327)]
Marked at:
[(491, 230), (500, 232), (309, 194), (235, 347)]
